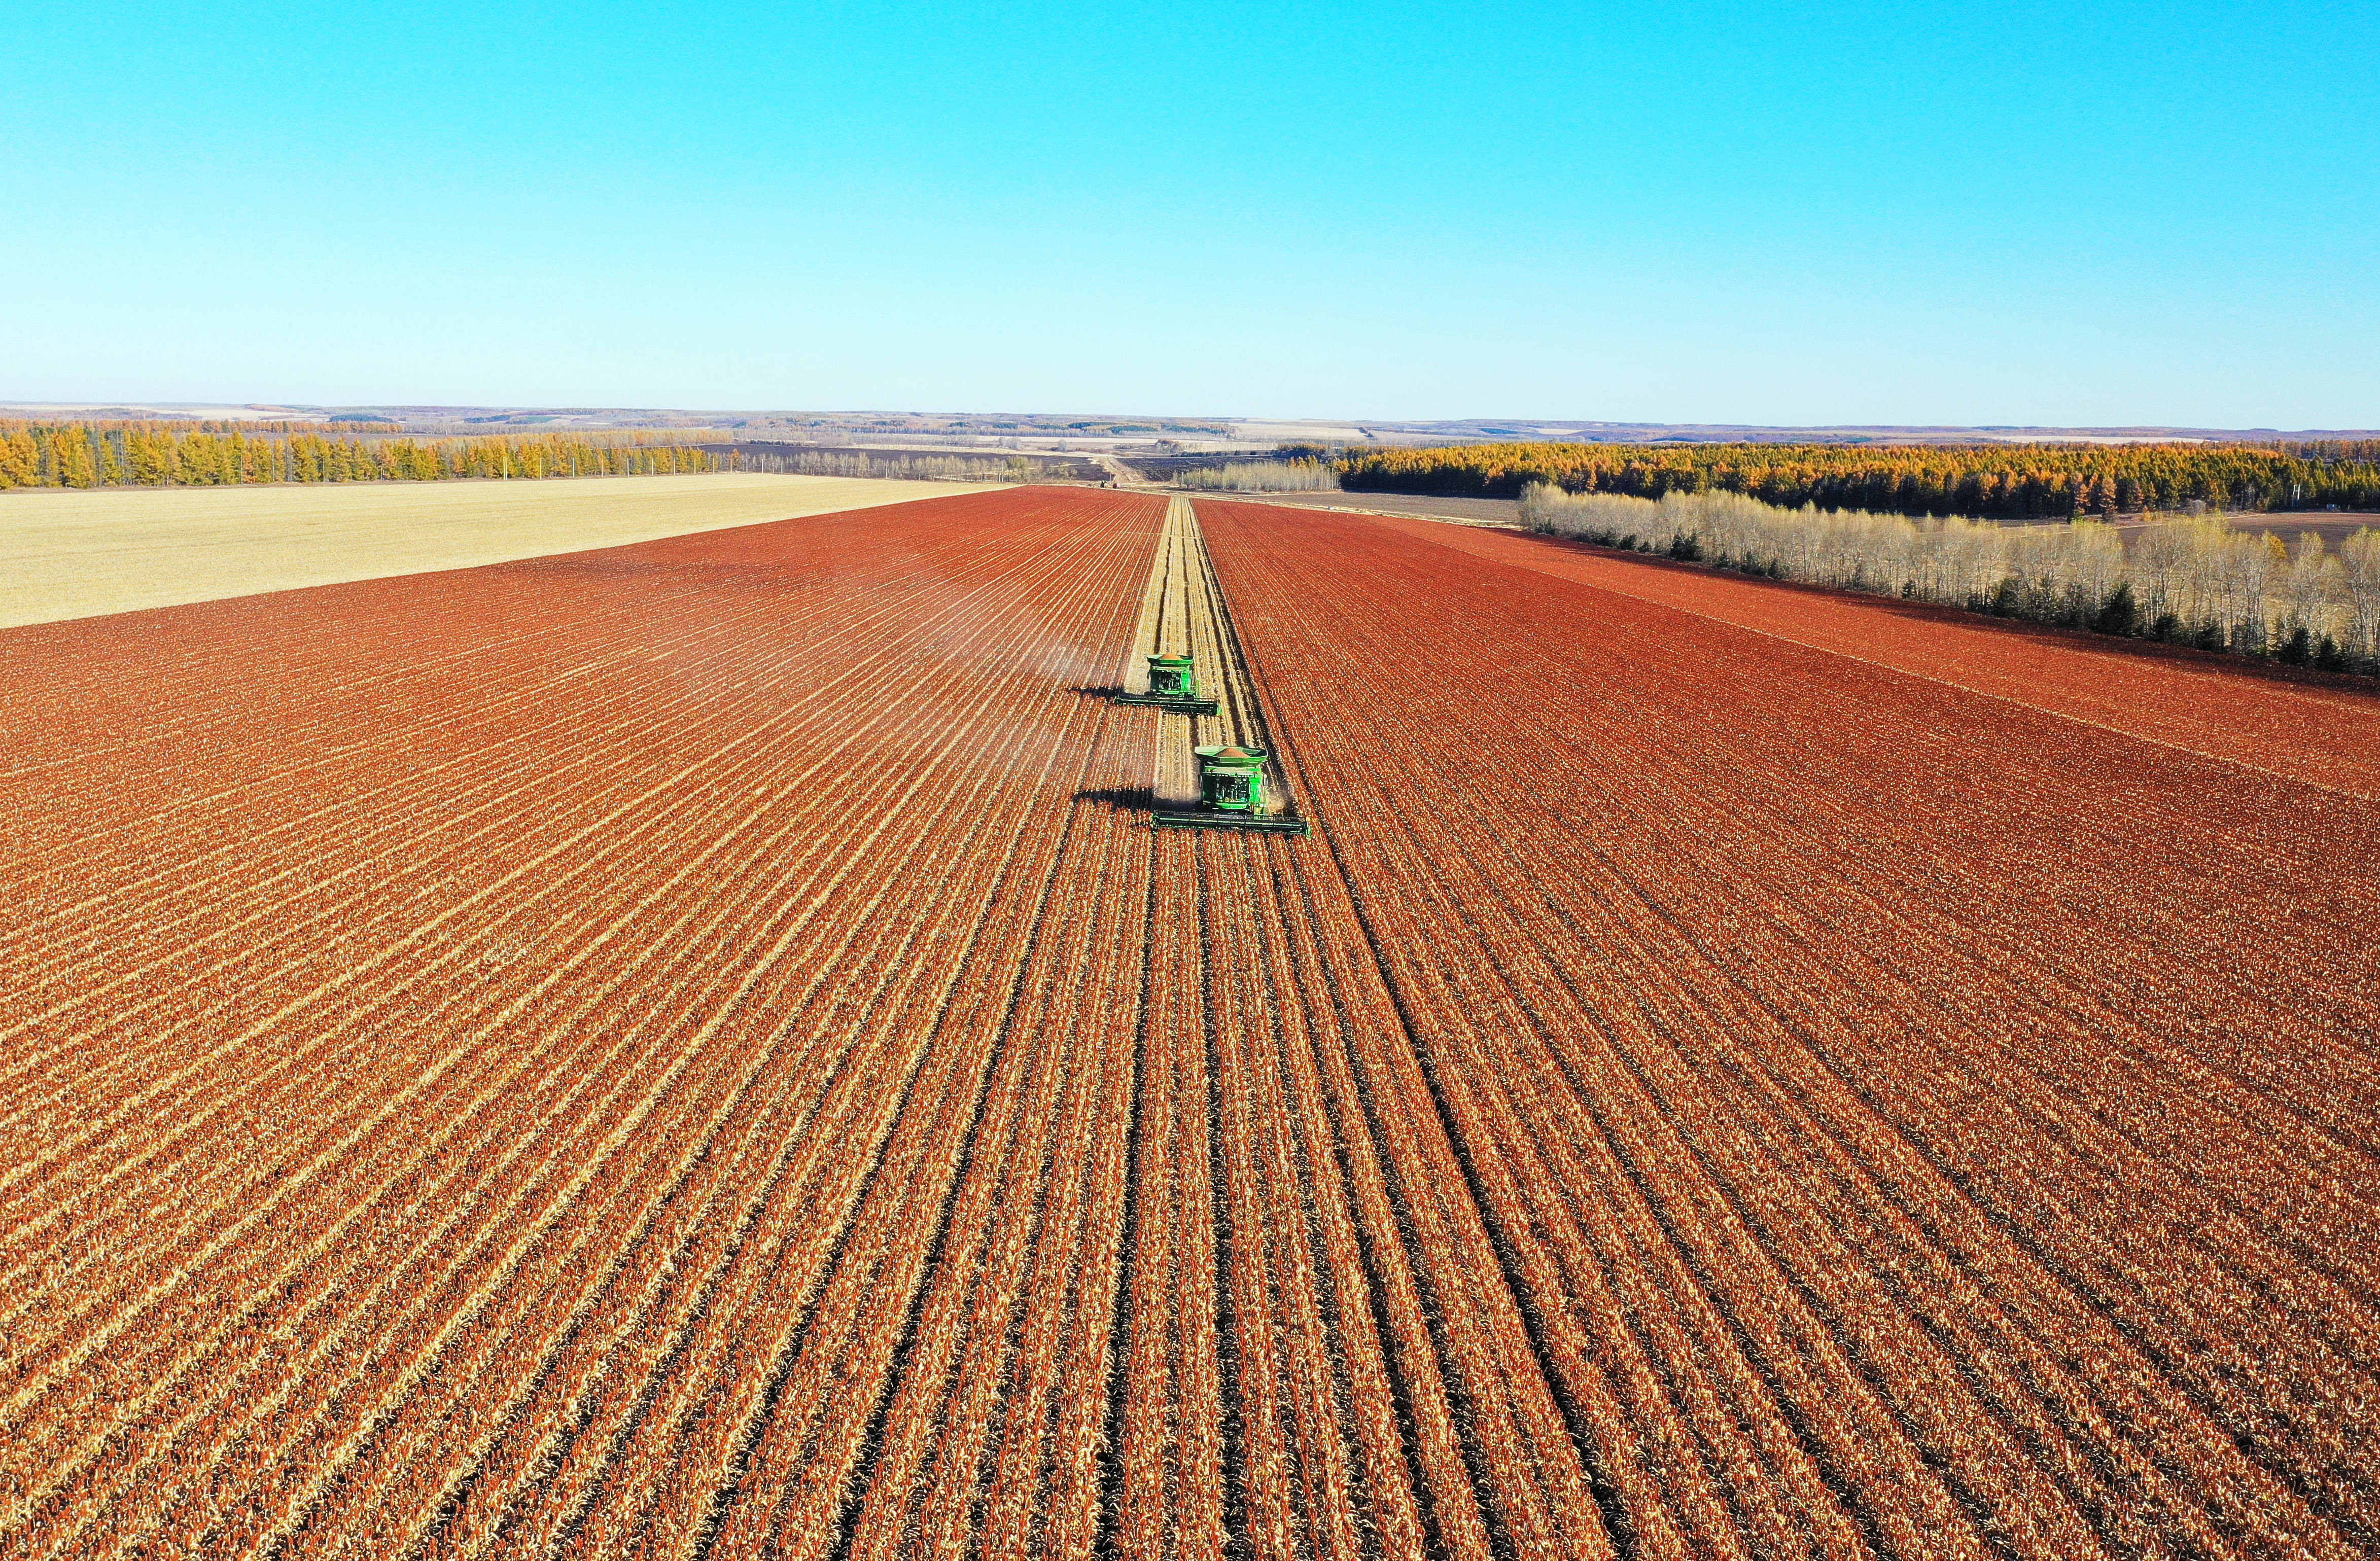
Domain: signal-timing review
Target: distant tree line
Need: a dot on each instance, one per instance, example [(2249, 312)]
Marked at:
[(176, 455), (910, 468), (1265, 477), (2030, 481), (2332, 449), (2201, 581), (343, 423)]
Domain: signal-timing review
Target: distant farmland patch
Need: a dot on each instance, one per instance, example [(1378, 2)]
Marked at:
[(78, 555)]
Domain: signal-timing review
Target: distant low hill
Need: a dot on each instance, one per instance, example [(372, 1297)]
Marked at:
[(1159, 433)]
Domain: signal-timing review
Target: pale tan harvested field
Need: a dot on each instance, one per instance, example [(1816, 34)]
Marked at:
[(80, 555)]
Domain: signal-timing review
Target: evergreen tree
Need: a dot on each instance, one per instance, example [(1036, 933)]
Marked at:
[(2118, 615)]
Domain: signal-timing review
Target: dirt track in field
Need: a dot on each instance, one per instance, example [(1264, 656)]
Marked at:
[(692, 1050)]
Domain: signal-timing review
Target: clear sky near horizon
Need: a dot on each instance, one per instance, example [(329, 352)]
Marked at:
[(2013, 212)]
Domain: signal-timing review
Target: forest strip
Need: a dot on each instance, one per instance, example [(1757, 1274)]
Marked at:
[(2026, 481)]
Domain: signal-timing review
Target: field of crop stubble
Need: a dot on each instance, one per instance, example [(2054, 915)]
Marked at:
[(693, 1050), (85, 552)]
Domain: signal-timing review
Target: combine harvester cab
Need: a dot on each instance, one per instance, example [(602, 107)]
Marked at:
[(1172, 685)]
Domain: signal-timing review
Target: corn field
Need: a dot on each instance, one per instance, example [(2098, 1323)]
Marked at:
[(693, 1051)]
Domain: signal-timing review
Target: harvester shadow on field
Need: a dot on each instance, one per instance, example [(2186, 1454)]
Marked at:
[(1099, 691), (1133, 799)]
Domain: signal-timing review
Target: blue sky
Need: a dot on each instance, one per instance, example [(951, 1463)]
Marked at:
[(2015, 212)]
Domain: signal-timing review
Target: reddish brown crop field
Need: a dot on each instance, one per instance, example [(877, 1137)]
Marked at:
[(692, 1051)]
